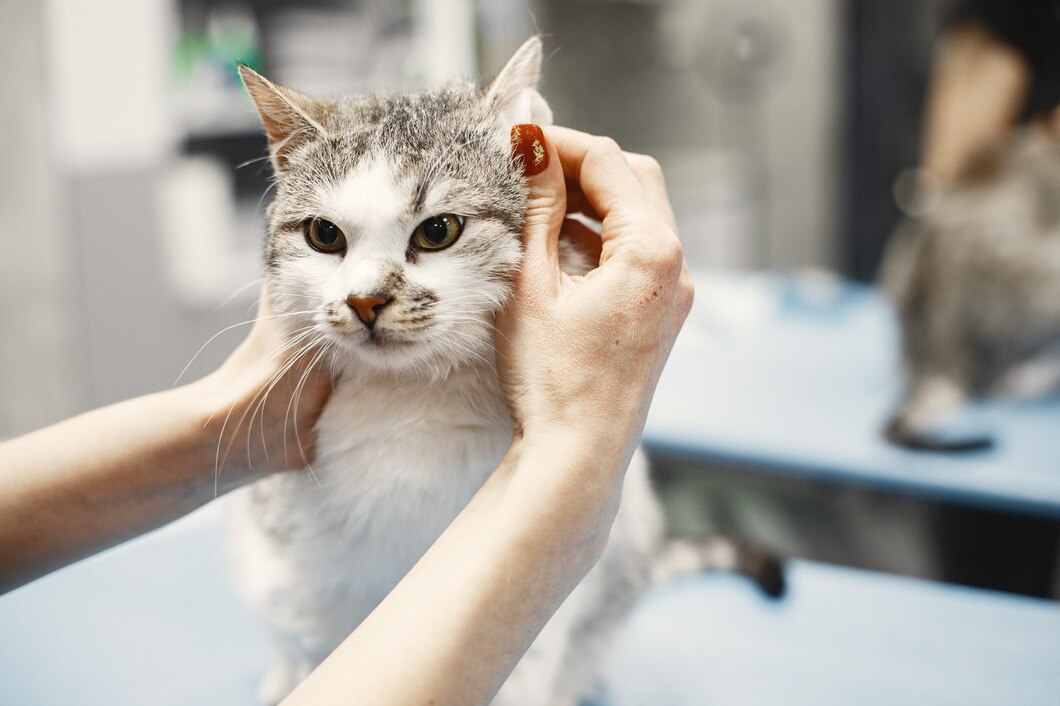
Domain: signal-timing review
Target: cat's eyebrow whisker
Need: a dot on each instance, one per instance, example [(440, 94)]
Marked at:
[(263, 158), (265, 193)]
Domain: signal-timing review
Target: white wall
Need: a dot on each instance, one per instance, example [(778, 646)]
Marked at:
[(39, 376)]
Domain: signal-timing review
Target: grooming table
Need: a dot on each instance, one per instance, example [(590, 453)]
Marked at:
[(796, 375), (154, 622)]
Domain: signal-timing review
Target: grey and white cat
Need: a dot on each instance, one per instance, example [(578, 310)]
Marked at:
[(393, 239), (976, 283)]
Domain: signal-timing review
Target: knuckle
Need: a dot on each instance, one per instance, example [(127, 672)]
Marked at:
[(671, 252), (686, 292), (648, 166), (665, 257), (606, 145)]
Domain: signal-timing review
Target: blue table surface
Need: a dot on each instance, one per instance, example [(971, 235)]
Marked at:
[(797, 375), (155, 622)]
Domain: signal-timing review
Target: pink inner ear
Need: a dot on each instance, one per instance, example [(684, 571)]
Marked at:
[(527, 107), (540, 113), (284, 113)]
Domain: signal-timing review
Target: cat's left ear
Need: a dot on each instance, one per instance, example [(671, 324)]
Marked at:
[(514, 92)]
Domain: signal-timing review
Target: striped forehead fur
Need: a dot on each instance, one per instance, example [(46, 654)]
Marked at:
[(447, 139)]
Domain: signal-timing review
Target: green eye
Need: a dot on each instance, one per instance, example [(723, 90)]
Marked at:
[(324, 236), (438, 232)]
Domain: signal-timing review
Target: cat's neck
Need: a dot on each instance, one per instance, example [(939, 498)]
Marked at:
[(478, 374)]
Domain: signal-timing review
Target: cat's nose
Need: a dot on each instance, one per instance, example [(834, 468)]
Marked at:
[(368, 307)]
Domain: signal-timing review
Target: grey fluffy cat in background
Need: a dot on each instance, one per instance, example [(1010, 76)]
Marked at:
[(976, 283), (393, 238)]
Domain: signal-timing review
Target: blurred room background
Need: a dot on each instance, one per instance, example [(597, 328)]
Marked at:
[(132, 202), (128, 219)]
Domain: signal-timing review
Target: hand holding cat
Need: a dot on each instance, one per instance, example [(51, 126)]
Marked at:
[(579, 357), (267, 397)]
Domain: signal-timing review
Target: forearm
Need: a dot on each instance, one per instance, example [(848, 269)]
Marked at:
[(97, 479), (977, 90), (457, 624)]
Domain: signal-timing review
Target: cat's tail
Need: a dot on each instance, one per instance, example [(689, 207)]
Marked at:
[(680, 557)]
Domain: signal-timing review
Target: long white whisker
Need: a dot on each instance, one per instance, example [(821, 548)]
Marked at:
[(294, 399), (229, 328), (224, 425), (260, 407)]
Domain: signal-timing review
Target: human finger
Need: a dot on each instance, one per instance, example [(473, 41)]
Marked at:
[(650, 174), (630, 220), (546, 204), (577, 203)]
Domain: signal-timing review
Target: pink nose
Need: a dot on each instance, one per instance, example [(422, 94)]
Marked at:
[(368, 307)]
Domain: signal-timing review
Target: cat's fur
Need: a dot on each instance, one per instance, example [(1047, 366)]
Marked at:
[(417, 420), (976, 283)]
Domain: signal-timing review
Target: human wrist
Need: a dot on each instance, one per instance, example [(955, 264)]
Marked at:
[(577, 468), (218, 409), (591, 434)]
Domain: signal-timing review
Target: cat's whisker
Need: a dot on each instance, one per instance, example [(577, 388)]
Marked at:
[(295, 399), (315, 342), (452, 338), (297, 339), (247, 163), (288, 364), (265, 193), (239, 290), (218, 459), (257, 402), (229, 328)]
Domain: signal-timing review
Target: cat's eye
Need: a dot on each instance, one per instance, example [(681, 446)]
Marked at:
[(324, 236), (438, 232)]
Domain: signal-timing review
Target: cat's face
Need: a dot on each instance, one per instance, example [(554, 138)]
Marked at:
[(394, 231)]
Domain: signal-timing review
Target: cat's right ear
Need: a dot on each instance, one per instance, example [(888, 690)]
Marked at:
[(513, 94), (287, 115)]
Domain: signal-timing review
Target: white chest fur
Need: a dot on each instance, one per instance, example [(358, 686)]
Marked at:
[(400, 458), (396, 461)]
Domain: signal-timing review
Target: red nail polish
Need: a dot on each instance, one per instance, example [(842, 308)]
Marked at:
[(528, 145)]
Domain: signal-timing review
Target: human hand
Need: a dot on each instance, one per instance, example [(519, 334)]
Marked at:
[(264, 401), (581, 356)]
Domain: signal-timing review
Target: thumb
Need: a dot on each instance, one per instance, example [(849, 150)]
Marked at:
[(546, 203)]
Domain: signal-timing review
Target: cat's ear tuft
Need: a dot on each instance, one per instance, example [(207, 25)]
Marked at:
[(286, 115), (514, 95)]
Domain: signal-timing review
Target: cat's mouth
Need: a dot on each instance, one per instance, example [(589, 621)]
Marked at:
[(382, 339)]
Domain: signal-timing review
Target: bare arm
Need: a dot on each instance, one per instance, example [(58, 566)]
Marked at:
[(97, 479), (579, 358), (978, 87)]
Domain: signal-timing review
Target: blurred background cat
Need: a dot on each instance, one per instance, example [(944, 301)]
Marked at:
[(976, 282)]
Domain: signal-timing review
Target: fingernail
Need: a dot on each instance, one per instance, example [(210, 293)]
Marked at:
[(528, 145)]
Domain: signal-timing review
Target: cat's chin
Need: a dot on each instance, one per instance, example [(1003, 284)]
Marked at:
[(383, 354)]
